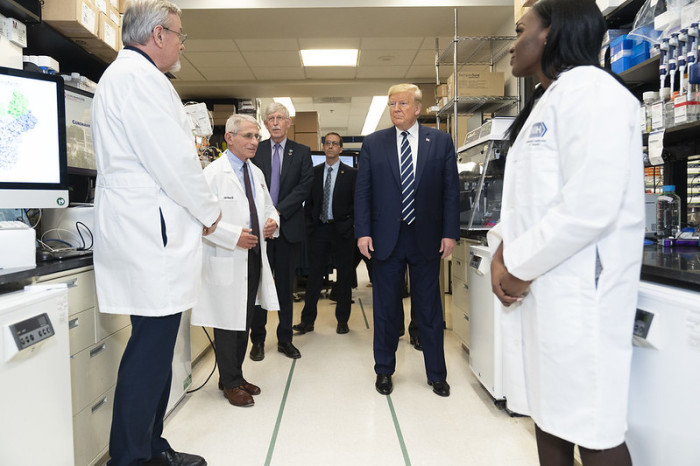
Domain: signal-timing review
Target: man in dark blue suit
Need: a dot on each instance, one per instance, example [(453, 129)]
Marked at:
[(407, 213), (289, 173)]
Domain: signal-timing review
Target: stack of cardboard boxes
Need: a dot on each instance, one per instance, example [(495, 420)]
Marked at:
[(475, 81), (304, 130), (95, 25)]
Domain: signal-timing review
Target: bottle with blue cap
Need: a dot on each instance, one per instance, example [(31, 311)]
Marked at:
[(668, 213)]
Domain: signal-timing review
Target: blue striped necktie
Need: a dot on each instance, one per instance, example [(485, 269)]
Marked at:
[(408, 194)]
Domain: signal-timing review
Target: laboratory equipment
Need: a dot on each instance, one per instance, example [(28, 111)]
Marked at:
[(668, 217), (35, 394), (664, 412), (663, 65), (80, 151), (33, 167), (672, 59), (481, 163), (682, 58)]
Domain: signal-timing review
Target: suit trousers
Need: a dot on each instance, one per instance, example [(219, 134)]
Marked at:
[(325, 243), (231, 344), (425, 297), (143, 390), (284, 257)]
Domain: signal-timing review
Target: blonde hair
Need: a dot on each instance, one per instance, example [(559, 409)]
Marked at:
[(406, 87)]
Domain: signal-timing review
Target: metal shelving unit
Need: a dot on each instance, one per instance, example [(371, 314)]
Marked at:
[(476, 50)]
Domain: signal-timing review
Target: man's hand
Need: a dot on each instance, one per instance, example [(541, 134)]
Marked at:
[(446, 246), (269, 228), (247, 240), (209, 230), (364, 244)]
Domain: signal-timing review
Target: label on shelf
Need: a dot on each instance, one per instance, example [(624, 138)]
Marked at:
[(656, 147)]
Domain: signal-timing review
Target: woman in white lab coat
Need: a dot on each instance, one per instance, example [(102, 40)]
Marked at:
[(568, 249)]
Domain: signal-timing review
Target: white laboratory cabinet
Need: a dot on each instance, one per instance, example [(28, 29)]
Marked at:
[(664, 406), (460, 292), (35, 396)]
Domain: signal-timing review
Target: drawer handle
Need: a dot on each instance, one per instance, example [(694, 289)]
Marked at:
[(97, 351), (466, 287), (99, 404), (73, 323), (466, 317)]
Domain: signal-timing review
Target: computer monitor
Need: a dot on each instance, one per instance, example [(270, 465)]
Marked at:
[(33, 163), (80, 151)]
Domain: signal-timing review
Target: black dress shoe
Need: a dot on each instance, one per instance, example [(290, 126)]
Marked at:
[(342, 328), (257, 352), (303, 327), (440, 388), (289, 350), (383, 384), (415, 342), (171, 457)]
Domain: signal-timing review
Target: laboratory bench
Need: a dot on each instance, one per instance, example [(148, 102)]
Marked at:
[(676, 266)]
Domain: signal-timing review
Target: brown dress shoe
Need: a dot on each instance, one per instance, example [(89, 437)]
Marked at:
[(238, 397), (250, 388)]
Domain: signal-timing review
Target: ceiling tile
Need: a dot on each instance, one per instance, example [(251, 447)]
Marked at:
[(429, 43), (330, 72), (278, 73), (329, 43), (428, 72), (215, 59), (425, 58), (210, 45), (389, 43), (273, 58), (386, 57), (255, 45), (226, 74), (369, 72), (188, 72)]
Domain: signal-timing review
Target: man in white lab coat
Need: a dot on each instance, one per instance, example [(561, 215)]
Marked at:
[(152, 205), (236, 273)]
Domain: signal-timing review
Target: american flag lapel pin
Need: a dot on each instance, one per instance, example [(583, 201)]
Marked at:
[(427, 139)]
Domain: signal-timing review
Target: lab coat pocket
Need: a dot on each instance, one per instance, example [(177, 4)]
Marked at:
[(537, 176), (219, 271), (561, 309)]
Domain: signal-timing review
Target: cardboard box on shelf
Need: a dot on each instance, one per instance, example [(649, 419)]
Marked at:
[(108, 32), (229, 108), (308, 138), (72, 18), (306, 122), (441, 91), (477, 82)]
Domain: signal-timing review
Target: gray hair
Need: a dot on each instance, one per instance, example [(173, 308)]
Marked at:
[(405, 87), (275, 107), (142, 16), (233, 124)]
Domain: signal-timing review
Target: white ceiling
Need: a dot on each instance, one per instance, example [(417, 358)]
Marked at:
[(252, 51)]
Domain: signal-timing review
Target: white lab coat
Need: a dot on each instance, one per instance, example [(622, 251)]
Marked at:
[(573, 190), (148, 170), (224, 296)]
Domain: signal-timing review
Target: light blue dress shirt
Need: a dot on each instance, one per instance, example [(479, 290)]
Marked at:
[(237, 165)]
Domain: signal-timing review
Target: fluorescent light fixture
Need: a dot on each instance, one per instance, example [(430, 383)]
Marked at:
[(329, 57), (287, 102), (376, 110)]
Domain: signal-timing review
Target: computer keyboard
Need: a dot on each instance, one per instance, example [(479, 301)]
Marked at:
[(13, 225)]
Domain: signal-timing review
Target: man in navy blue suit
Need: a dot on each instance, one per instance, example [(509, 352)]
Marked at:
[(407, 214)]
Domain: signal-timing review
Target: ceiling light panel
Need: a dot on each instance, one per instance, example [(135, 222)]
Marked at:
[(329, 57)]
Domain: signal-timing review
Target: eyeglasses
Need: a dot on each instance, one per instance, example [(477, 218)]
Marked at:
[(181, 36), (331, 143), (255, 136), (401, 104)]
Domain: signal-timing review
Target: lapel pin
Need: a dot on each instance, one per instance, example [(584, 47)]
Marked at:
[(427, 139)]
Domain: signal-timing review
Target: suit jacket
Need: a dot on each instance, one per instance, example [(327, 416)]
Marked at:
[(295, 183), (378, 191), (343, 199)]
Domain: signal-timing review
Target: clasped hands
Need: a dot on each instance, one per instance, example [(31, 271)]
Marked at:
[(507, 287), (248, 240)]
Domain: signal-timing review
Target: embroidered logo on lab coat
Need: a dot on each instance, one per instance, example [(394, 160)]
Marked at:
[(538, 130)]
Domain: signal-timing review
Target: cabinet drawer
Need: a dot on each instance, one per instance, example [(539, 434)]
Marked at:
[(83, 295), (461, 251), (91, 429), (460, 326), (81, 330), (108, 324), (94, 369), (460, 295), (459, 269)]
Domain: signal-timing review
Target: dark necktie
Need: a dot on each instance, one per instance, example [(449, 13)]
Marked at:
[(275, 175), (408, 209), (326, 196), (254, 225)]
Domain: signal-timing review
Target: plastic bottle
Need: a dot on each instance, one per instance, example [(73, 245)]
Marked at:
[(668, 214), (670, 111), (658, 110), (648, 98)]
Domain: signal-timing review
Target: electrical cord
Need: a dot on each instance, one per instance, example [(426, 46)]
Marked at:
[(92, 239), (211, 343)]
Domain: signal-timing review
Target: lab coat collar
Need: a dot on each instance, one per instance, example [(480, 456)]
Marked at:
[(134, 49)]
